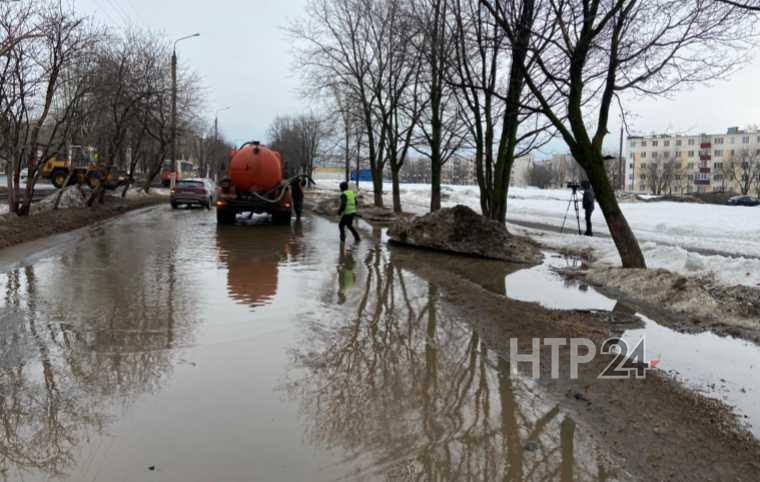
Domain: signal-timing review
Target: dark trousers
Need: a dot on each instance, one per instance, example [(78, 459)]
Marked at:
[(347, 221), (589, 212), (298, 205)]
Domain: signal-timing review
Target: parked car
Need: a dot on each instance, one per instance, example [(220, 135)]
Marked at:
[(744, 201), (201, 192)]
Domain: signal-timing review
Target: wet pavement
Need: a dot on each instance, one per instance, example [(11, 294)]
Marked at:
[(159, 346)]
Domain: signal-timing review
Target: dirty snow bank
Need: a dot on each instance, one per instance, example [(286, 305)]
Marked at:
[(723, 269), (139, 193), (71, 197), (669, 232), (699, 299)]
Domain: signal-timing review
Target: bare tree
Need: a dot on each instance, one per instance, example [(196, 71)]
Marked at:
[(500, 125), (336, 47), (45, 77), (661, 176), (594, 50), (752, 5), (441, 126), (742, 171), (398, 86), (298, 140)]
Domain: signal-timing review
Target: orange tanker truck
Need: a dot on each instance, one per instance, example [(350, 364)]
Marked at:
[(254, 184)]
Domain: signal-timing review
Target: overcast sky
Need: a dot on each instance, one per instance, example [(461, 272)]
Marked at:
[(245, 60)]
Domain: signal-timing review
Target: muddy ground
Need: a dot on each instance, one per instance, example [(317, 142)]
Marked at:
[(16, 230), (655, 428)]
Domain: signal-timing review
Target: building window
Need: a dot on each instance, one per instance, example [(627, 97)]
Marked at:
[(667, 144), (691, 142), (643, 143), (643, 155), (733, 152), (633, 143), (717, 153), (654, 155), (745, 140), (678, 153), (643, 177), (717, 165), (690, 165), (733, 140), (654, 143), (691, 177), (630, 166), (678, 142), (691, 153), (643, 165), (718, 140)]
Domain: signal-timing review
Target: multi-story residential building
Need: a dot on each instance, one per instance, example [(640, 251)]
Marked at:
[(676, 163)]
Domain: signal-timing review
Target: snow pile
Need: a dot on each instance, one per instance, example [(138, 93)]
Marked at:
[(3, 209), (724, 269), (462, 230), (70, 198), (687, 238)]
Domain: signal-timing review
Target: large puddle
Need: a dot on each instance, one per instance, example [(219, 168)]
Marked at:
[(162, 347), (724, 368)]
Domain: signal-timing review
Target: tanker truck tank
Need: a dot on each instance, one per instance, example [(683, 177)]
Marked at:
[(254, 183)]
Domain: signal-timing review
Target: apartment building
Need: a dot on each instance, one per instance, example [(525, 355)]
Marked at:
[(687, 163)]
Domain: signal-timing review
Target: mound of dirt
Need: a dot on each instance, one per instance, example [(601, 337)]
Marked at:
[(461, 230), (695, 298)]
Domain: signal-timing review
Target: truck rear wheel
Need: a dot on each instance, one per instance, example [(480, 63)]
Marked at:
[(225, 215), (58, 177)]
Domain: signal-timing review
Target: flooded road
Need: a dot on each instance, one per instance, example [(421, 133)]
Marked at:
[(161, 347)]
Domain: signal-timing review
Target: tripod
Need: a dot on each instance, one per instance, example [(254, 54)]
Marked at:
[(574, 201)]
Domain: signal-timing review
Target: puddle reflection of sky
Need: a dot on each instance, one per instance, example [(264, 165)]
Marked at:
[(542, 285)]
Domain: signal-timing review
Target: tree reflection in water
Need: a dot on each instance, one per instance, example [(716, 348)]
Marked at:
[(64, 376), (411, 392)]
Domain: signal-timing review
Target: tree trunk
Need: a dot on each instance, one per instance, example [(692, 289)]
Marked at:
[(396, 189), (435, 187), (377, 184), (622, 234)]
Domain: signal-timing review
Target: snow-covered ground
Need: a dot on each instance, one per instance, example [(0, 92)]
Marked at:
[(674, 236)]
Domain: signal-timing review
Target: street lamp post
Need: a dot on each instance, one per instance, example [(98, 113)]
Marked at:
[(216, 136), (174, 102)]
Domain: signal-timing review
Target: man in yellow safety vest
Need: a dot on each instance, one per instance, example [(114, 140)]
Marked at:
[(347, 212)]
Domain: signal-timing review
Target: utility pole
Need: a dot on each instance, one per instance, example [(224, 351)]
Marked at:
[(174, 103), (216, 138), (621, 163)]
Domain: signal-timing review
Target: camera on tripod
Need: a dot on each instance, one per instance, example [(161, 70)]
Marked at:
[(574, 201)]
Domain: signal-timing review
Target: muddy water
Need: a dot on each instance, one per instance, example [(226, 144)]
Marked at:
[(161, 347), (723, 368)]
